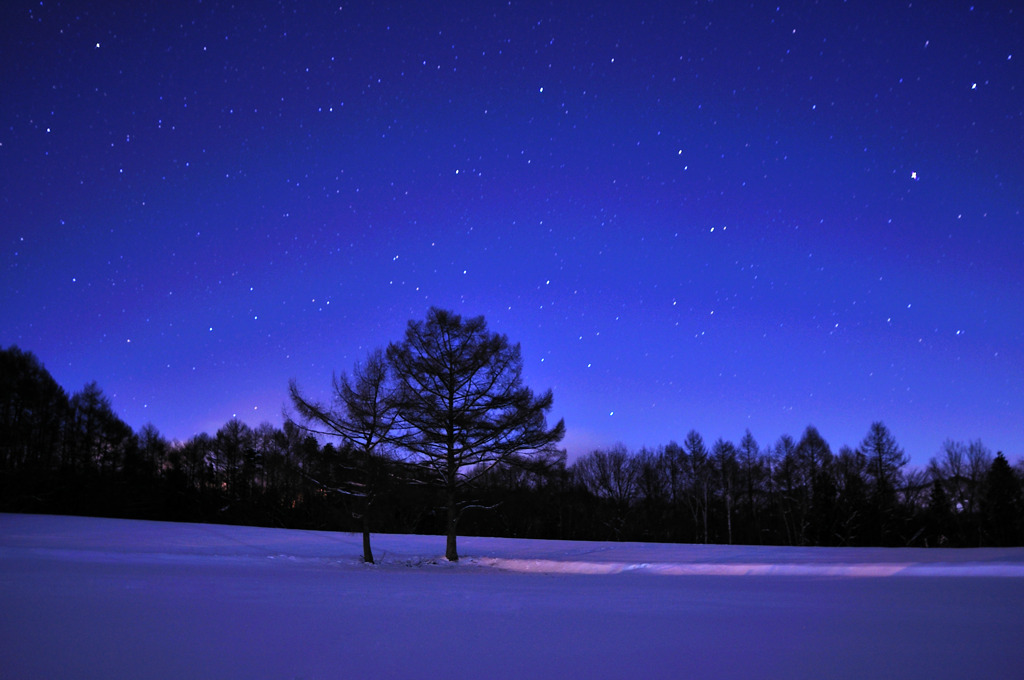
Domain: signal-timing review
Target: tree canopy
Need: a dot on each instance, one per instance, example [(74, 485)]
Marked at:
[(462, 405), (362, 415)]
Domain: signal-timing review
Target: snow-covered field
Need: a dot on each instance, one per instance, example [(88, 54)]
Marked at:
[(98, 598)]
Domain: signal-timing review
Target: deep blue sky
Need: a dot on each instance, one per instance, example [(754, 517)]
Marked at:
[(691, 215)]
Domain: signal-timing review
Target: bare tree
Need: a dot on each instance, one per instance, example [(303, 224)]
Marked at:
[(979, 460), (611, 474), (362, 414), (462, 405)]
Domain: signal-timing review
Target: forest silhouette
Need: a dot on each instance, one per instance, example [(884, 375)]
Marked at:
[(63, 454)]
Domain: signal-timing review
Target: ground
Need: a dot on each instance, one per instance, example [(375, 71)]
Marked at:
[(97, 598)]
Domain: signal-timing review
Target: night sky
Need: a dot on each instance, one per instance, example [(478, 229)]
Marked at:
[(692, 215)]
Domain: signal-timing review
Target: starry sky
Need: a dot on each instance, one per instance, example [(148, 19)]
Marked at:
[(691, 215)]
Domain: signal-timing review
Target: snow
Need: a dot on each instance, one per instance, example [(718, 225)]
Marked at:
[(99, 598)]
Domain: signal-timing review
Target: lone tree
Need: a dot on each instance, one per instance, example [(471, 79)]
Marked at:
[(462, 406), (362, 415)]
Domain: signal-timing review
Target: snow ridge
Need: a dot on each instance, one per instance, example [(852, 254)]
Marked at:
[(1005, 570)]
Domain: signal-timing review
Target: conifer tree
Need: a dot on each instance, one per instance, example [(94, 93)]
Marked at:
[(461, 404)]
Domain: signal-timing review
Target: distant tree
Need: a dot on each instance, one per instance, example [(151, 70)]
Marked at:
[(914, 497), (231, 446), (723, 458), (610, 474), (697, 474), (791, 488), (1001, 504), (949, 469), (961, 467), (675, 464), (267, 443), (675, 461), (885, 460), (751, 471), (362, 414), (652, 480), (277, 480), (462, 405), (33, 413), (99, 438), (815, 459), (851, 496), (531, 498), (939, 516), (651, 475), (770, 505), (979, 462), (153, 452), (197, 465)]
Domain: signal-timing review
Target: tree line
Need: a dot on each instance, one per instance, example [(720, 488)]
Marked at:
[(793, 492), (437, 434)]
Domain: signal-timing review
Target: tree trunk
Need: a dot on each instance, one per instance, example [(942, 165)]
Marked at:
[(450, 553), (728, 515), (704, 514), (367, 553)]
